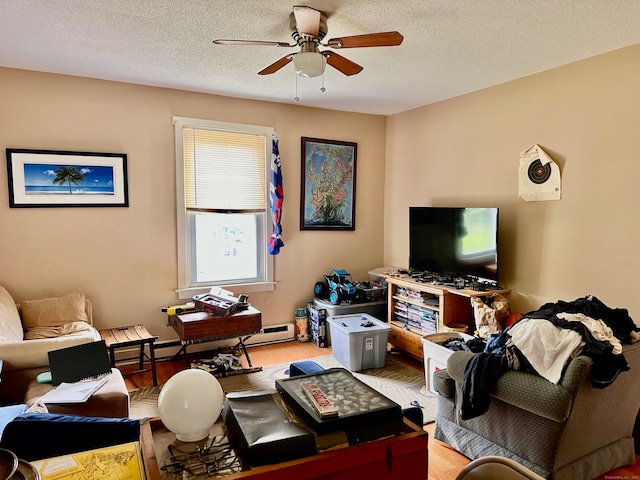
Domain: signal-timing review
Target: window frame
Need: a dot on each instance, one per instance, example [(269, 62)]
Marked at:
[(185, 289)]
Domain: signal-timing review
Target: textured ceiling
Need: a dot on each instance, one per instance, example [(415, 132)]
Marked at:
[(450, 47)]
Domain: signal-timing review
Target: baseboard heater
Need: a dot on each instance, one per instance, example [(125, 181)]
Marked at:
[(283, 332), (273, 334)]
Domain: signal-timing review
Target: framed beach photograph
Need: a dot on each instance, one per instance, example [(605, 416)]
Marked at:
[(51, 178), (328, 187)]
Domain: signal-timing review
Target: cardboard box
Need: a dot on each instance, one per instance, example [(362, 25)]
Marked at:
[(435, 355), (318, 325)]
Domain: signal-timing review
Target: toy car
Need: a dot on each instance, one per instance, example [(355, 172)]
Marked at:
[(338, 286)]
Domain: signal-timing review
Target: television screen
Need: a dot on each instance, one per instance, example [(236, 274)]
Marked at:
[(454, 240)]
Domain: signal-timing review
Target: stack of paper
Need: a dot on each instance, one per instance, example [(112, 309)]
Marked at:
[(78, 392)]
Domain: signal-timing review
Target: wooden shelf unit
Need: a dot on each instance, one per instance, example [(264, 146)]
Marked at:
[(453, 308)]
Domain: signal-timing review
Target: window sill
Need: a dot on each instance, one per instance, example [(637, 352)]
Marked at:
[(188, 293)]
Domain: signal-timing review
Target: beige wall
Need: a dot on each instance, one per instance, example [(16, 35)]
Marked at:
[(465, 152), (125, 258)]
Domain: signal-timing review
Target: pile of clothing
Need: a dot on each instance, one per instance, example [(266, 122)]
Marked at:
[(475, 344), (544, 341)]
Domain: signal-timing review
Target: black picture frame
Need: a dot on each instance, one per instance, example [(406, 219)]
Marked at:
[(57, 178), (328, 184)]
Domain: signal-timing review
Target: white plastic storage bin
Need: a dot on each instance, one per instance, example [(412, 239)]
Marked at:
[(435, 355), (377, 310), (377, 274), (359, 341)]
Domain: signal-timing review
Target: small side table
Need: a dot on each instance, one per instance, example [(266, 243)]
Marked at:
[(198, 326), (121, 337)]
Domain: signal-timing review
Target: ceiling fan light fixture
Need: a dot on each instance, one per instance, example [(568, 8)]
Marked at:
[(309, 64)]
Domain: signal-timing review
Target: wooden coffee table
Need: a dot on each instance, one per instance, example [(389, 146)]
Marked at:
[(152, 471), (197, 327), (398, 457)]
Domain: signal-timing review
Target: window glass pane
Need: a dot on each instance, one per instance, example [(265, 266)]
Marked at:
[(226, 247)]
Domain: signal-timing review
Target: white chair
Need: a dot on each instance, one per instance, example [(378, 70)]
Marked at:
[(496, 468)]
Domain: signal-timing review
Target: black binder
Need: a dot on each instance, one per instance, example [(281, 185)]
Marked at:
[(72, 364)]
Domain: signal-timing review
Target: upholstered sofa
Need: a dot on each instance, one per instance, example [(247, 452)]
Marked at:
[(30, 330), (566, 431)]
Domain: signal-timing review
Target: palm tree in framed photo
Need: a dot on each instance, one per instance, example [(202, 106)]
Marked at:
[(68, 174)]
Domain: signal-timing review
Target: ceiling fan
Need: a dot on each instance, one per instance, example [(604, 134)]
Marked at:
[(309, 27)]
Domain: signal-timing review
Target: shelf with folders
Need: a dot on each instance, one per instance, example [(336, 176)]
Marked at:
[(416, 309), (421, 318)]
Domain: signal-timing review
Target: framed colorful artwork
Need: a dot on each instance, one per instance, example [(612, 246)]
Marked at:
[(328, 190), (52, 178)]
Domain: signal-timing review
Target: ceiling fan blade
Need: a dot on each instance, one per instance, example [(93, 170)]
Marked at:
[(342, 64), (277, 65), (384, 39), (307, 20), (252, 42)]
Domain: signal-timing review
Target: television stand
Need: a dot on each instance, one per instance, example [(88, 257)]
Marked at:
[(438, 304)]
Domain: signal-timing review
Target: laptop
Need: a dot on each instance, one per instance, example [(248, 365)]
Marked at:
[(72, 364)]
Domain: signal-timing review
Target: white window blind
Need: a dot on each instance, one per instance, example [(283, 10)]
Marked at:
[(224, 171)]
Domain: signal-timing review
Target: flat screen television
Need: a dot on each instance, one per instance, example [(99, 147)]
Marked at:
[(454, 241)]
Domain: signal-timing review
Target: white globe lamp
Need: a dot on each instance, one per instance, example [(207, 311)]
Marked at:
[(190, 403)]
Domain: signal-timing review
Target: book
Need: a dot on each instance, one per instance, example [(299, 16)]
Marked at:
[(78, 392), (319, 400), (115, 462)]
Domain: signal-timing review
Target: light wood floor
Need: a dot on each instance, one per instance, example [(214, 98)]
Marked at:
[(444, 462)]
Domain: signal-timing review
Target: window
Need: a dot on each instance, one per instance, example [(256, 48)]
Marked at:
[(222, 172)]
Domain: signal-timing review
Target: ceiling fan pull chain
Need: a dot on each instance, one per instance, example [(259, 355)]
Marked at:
[(322, 89), (296, 98)]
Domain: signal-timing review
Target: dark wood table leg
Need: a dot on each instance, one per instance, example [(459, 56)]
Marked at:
[(141, 360), (152, 359), (243, 348), (112, 351), (186, 355)]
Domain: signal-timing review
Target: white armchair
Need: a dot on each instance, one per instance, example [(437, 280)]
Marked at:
[(32, 329)]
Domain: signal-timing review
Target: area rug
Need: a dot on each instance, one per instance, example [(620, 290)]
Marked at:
[(398, 381)]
